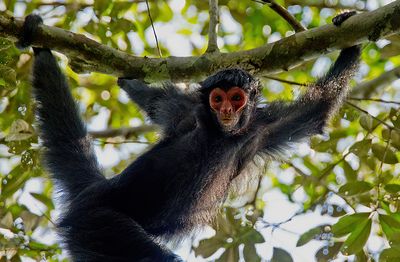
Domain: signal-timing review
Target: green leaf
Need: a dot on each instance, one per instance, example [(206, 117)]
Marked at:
[(44, 199), (281, 255), (5, 44), (328, 253), (349, 172), (390, 254), (354, 188), (208, 247), (15, 179), (384, 154), (31, 221), (392, 188), (8, 76), (395, 117), (230, 254), (357, 239), (20, 130), (7, 221), (252, 236), (392, 221), (347, 223), (392, 232), (368, 123), (250, 253), (311, 234), (333, 211), (361, 148)]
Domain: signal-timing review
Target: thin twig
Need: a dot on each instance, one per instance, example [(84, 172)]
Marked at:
[(101, 142), (375, 100), (377, 119), (280, 10), (284, 80), (154, 30), (378, 189), (212, 29), (124, 131)]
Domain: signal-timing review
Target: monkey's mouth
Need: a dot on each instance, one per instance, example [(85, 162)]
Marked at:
[(227, 121)]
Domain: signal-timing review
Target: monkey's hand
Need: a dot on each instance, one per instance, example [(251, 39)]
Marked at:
[(29, 31), (340, 18)]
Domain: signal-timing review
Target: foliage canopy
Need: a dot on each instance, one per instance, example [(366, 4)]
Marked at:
[(348, 179)]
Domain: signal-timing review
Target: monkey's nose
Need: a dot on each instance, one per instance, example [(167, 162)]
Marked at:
[(226, 109)]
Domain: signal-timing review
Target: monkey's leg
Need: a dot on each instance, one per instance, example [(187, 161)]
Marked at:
[(105, 235), (69, 155)]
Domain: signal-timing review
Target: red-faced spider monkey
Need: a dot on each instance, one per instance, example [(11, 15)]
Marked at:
[(210, 137)]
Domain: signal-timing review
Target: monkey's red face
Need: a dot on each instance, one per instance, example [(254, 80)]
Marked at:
[(228, 105)]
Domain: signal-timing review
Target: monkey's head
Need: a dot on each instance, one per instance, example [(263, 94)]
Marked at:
[(232, 96)]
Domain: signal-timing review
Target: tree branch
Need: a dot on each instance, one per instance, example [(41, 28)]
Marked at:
[(88, 55), (212, 29), (367, 88), (280, 10), (125, 131)]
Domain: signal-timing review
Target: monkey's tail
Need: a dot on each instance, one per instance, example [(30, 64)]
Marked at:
[(69, 154)]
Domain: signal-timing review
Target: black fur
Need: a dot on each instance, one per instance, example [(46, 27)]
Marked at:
[(179, 183)]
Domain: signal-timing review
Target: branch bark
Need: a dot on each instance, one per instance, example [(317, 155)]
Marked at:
[(88, 55), (212, 29)]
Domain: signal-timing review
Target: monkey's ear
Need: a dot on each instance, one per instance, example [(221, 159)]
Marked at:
[(131, 86)]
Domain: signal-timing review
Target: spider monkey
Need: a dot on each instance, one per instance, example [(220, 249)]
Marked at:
[(210, 136)]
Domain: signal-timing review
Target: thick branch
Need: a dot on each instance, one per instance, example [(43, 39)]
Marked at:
[(212, 29), (88, 55)]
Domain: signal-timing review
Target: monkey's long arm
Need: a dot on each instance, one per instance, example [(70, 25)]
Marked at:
[(167, 106), (285, 123)]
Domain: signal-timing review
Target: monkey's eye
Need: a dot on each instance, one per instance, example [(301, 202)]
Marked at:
[(217, 99), (236, 97)]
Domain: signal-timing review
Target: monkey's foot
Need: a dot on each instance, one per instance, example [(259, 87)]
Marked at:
[(339, 19), (29, 31)]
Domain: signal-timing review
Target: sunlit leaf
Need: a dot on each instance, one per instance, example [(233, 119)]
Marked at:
[(353, 188), (311, 234), (358, 237), (348, 223)]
